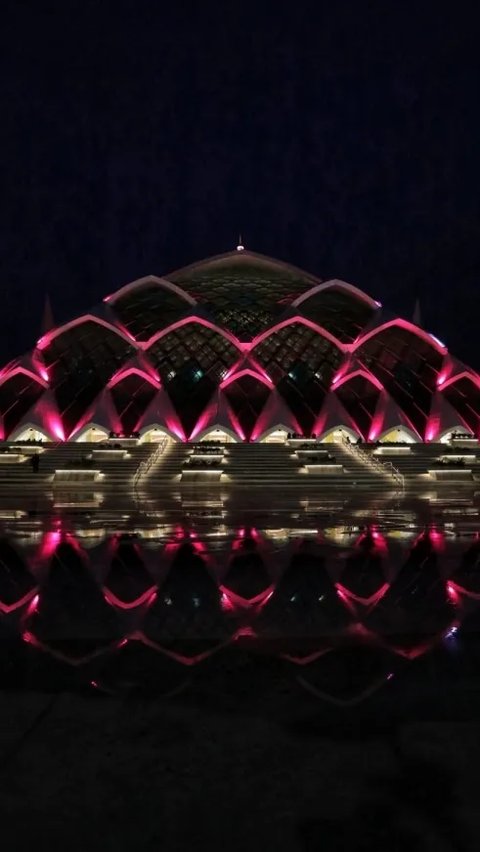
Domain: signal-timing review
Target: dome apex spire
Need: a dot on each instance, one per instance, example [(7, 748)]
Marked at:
[(240, 246)]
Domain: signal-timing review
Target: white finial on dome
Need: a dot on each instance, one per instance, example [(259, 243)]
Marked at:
[(240, 247)]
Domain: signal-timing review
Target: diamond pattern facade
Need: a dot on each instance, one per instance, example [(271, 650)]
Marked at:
[(245, 339)]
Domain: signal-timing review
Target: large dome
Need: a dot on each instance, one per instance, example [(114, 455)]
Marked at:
[(245, 344)]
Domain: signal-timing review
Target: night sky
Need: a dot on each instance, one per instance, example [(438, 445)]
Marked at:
[(137, 137)]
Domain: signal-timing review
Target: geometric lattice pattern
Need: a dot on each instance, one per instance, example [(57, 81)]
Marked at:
[(245, 343)]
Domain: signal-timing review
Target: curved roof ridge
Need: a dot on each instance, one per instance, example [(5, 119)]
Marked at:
[(241, 257), (337, 282), (150, 279)]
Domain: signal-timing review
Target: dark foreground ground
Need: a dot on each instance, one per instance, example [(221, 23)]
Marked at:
[(245, 759)]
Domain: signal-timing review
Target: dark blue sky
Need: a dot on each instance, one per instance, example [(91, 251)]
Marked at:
[(342, 137)]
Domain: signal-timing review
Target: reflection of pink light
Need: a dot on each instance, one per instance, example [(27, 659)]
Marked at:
[(49, 544), (348, 596), (33, 605), (7, 608), (111, 598), (453, 592), (342, 594), (437, 537), (179, 658), (238, 602)]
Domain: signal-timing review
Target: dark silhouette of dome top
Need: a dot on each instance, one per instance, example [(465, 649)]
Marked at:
[(245, 344)]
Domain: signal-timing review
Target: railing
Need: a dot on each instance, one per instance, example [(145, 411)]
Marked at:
[(146, 465), (386, 468)]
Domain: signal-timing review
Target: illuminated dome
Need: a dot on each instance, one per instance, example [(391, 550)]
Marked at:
[(242, 344)]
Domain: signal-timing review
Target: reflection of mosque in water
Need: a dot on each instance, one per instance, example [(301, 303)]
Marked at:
[(344, 609)]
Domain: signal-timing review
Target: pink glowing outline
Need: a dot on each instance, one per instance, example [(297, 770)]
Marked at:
[(7, 608), (365, 374), (124, 372), (15, 371), (146, 344), (473, 377), (341, 285), (112, 598), (343, 347), (246, 372), (150, 279), (47, 338), (400, 323), (239, 602), (370, 602), (139, 636)]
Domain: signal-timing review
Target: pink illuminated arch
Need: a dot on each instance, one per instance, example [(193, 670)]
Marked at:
[(400, 323), (150, 279), (465, 374), (61, 329), (363, 373), (344, 347), (263, 378), (123, 373), (341, 285), (15, 371), (199, 321)]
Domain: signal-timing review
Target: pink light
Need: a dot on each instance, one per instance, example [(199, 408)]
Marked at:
[(437, 537), (238, 602), (433, 427), (246, 372), (54, 425), (174, 426), (259, 369), (344, 597), (112, 599), (40, 366), (61, 329), (472, 377), (344, 347), (348, 596), (187, 321), (202, 422), (49, 544), (453, 592), (124, 373), (33, 605), (408, 326), (340, 379), (8, 608), (236, 425), (9, 374)]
